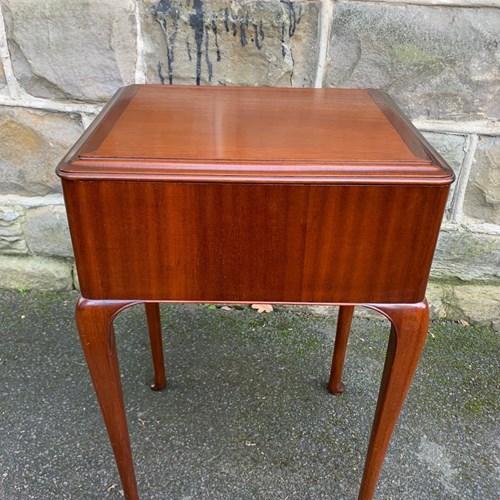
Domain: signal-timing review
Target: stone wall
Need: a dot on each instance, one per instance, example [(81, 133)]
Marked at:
[(440, 60)]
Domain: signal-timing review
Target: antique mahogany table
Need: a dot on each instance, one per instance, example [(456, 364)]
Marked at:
[(225, 194)]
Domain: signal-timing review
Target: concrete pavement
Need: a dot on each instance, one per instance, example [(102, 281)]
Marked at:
[(246, 414)]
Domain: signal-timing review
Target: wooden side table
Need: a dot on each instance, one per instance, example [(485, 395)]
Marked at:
[(224, 194)]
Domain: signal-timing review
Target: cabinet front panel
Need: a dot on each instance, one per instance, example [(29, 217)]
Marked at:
[(253, 242)]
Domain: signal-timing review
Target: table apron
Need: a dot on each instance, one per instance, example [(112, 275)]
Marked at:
[(253, 242)]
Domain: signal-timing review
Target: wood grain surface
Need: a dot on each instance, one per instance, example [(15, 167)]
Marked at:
[(249, 242), (245, 134)]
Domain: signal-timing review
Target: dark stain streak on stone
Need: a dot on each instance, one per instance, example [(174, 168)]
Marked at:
[(261, 31), (197, 22), (257, 44), (235, 29), (243, 31), (299, 17), (167, 9), (160, 74), (292, 18), (170, 48), (188, 47), (207, 59), (226, 19), (214, 29), (170, 51), (243, 35), (283, 51)]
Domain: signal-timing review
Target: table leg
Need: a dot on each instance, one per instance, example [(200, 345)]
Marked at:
[(95, 326), (335, 385), (408, 334), (154, 327)]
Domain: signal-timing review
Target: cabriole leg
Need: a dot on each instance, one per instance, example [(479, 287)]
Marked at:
[(335, 385), (154, 327), (95, 326), (408, 334)]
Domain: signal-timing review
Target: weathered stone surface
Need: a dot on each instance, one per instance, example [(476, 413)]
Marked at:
[(3, 81), (36, 273), (467, 256), (11, 230), (473, 302), (231, 43), (76, 280), (47, 231), (437, 62), (480, 304), (451, 148), (476, 303), (82, 50), (482, 197), (435, 295), (33, 143)]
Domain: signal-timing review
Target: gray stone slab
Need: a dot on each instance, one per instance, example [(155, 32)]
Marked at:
[(47, 231), (39, 273), (76, 280), (33, 143), (479, 304), (231, 43), (482, 196), (246, 413), (12, 239), (473, 302), (451, 148), (437, 62), (467, 256), (79, 50), (3, 80)]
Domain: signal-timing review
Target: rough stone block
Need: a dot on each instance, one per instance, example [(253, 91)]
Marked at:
[(478, 303), (33, 143), (35, 273), (81, 50), (3, 81), (435, 295), (11, 230), (467, 256), (482, 197), (437, 62), (76, 280), (231, 43), (47, 231), (451, 148)]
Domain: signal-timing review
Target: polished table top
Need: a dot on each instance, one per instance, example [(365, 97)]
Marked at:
[(251, 134)]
